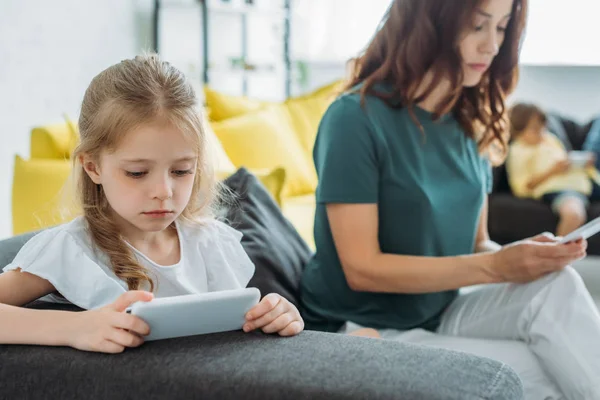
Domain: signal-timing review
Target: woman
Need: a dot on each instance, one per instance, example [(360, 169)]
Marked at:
[(401, 219)]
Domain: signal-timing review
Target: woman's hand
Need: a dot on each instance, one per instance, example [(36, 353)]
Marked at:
[(109, 329), (274, 314), (531, 259)]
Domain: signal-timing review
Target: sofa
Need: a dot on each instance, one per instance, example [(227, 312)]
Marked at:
[(232, 365), (512, 218)]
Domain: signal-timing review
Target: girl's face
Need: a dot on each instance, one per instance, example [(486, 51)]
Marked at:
[(482, 40), (534, 132), (148, 179)]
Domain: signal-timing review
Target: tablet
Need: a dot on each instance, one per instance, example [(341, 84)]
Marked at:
[(196, 314), (584, 232)]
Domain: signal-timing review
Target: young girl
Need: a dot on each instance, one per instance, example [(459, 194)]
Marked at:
[(146, 188), (401, 218), (538, 167)]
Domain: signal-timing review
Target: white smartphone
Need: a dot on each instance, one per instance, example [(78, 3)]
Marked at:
[(584, 232), (196, 314)]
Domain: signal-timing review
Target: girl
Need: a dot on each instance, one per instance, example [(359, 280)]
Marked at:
[(146, 188), (538, 167), (402, 206)]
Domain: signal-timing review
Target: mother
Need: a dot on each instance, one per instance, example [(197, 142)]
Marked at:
[(404, 172)]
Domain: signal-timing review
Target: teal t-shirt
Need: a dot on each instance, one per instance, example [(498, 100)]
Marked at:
[(429, 188)]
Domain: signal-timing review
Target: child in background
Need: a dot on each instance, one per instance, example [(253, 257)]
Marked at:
[(539, 167), (147, 190)]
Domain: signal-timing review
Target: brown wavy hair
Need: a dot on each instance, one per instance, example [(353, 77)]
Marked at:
[(119, 99), (417, 36)]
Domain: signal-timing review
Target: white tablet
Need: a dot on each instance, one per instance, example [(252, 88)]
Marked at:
[(584, 232), (196, 314)]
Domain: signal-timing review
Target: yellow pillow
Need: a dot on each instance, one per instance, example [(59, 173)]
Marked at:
[(52, 141), (274, 181), (264, 139), (37, 195), (223, 165), (306, 113), (221, 106)]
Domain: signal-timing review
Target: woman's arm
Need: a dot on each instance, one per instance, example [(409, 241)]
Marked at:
[(483, 243), (355, 229)]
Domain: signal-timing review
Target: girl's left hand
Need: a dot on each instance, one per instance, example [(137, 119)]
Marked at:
[(274, 314)]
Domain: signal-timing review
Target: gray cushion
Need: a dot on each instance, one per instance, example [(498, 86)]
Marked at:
[(10, 247), (270, 240), (235, 365)]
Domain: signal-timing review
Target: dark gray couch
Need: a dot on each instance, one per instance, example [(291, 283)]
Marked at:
[(512, 219), (235, 365)]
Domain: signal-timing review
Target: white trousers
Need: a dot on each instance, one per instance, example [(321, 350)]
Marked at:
[(548, 331)]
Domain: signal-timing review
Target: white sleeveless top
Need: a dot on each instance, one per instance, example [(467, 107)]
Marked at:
[(212, 259)]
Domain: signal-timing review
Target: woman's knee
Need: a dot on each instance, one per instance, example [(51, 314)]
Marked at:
[(568, 279), (366, 332), (573, 210)]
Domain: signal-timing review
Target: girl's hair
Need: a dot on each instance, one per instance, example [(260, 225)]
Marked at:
[(417, 36), (122, 97), (521, 114)]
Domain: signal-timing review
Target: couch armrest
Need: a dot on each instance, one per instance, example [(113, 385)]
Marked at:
[(235, 365)]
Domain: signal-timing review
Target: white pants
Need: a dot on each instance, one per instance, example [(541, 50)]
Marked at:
[(547, 330)]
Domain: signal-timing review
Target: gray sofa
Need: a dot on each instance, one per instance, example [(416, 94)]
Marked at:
[(235, 365)]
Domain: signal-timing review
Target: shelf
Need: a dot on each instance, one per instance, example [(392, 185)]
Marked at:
[(246, 10)]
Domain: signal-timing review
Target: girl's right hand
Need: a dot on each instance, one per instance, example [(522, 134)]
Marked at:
[(109, 329), (531, 259), (561, 167)]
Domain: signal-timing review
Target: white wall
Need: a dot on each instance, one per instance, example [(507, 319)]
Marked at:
[(574, 91), (49, 51)]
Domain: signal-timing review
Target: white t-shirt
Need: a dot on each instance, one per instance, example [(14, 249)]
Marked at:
[(212, 259)]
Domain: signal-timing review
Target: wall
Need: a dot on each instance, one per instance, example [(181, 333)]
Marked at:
[(49, 52), (574, 91)]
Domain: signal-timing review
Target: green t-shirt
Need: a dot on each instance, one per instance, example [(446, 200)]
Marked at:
[(429, 188)]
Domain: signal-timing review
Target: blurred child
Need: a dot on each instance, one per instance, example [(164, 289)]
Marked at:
[(539, 167)]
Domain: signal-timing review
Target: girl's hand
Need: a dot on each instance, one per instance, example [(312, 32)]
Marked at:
[(592, 161), (531, 259), (561, 167), (109, 329), (274, 314)]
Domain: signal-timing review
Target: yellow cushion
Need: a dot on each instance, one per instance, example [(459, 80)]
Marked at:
[(264, 139), (305, 114), (221, 106), (273, 180), (300, 211), (37, 196), (55, 141), (223, 165)]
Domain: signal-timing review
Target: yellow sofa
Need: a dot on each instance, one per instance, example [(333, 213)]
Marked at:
[(274, 140)]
